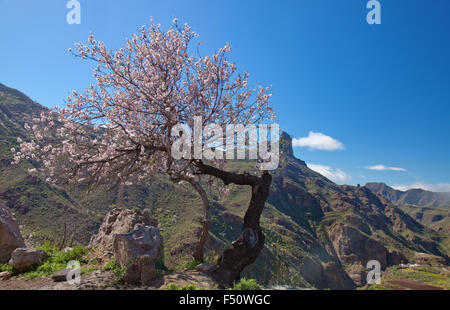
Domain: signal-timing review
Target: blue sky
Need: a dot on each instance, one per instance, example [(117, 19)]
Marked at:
[(377, 94)]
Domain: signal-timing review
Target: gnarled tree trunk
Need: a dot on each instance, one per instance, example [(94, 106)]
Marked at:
[(198, 253), (247, 247)]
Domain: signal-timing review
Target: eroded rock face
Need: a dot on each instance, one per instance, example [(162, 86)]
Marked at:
[(327, 275), (23, 259), (394, 257), (138, 251), (10, 237), (120, 221), (358, 277), (335, 278), (352, 246), (312, 271)]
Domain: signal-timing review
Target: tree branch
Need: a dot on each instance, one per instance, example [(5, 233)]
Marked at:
[(227, 177)]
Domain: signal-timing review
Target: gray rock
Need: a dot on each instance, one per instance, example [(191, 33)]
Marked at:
[(137, 251), (22, 259), (120, 221), (60, 276), (10, 237), (5, 276), (204, 267)]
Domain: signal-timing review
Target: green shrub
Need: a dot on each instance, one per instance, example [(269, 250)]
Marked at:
[(8, 268), (56, 260), (117, 270), (161, 267), (189, 287), (190, 265), (246, 285)]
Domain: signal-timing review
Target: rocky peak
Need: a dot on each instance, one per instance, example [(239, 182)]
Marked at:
[(286, 148), (286, 144)]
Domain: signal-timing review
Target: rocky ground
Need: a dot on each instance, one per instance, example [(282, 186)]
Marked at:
[(105, 280)]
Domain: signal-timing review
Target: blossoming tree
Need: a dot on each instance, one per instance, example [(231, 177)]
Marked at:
[(120, 130)]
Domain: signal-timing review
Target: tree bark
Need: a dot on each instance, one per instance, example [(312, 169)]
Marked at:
[(198, 252), (245, 250)]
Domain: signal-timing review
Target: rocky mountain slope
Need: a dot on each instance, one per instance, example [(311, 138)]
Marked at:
[(429, 208), (317, 233)]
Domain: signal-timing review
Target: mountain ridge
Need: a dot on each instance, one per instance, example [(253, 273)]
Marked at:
[(415, 196)]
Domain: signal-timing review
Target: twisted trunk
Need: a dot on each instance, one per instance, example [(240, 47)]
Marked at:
[(198, 254), (245, 250)]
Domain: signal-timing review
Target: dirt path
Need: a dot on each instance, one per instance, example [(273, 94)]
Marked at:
[(102, 279)]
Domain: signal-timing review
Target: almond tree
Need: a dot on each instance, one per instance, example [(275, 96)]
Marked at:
[(119, 130)]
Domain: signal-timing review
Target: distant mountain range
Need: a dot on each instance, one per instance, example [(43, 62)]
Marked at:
[(418, 197), (429, 208), (318, 233)]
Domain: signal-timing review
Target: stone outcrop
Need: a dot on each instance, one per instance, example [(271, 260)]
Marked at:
[(358, 274), (205, 267), (5, 275), (61, 275), (119, 221), (335, 278), (10, 237), (354, 247), (394, 257), (137, 252), (312, 271), (22, 259), (134, 241)]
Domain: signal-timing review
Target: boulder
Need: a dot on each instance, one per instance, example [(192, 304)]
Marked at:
[(5, 276), (10, 237), (137, 252), (61, 276), (119, 221), (22, 259), (205, 267)]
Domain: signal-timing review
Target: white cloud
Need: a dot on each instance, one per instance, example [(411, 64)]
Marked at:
[(383, 168), (440, 187), (318, 141), (335, 175)]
